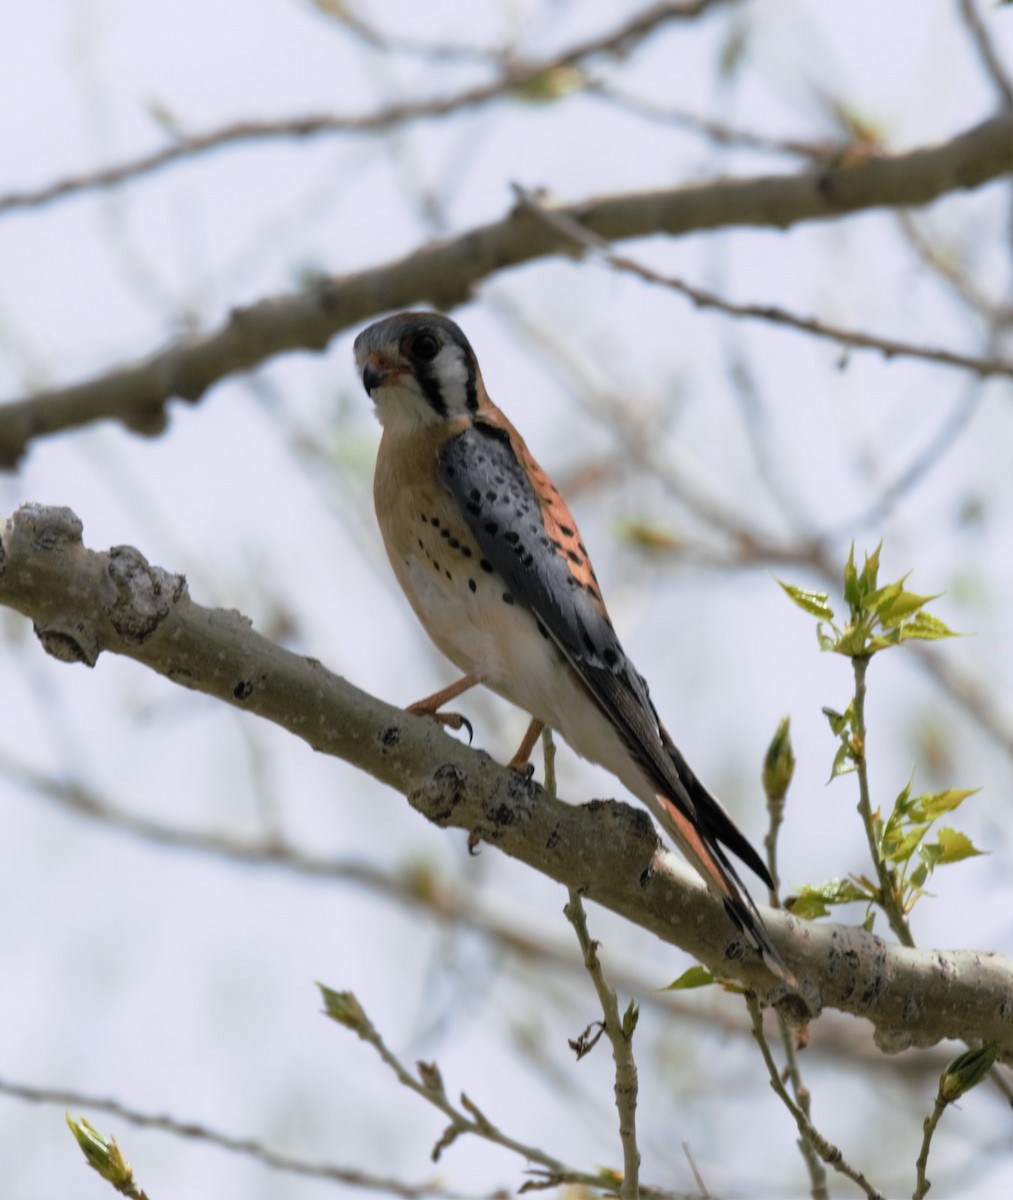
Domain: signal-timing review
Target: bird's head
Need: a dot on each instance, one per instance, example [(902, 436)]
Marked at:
[(419, 369)]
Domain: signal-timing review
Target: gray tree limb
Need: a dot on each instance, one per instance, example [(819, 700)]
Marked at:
[(445, 273), (84, 602)]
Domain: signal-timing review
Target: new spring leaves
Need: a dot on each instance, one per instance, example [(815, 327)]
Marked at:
[(880, 618)]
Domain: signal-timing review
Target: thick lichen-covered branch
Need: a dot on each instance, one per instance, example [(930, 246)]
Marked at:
[(83, 603)]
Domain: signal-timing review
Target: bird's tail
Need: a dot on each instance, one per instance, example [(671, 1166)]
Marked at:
[(703, 840)]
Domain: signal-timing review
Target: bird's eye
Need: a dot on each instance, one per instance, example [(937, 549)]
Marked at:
[(423, 346)]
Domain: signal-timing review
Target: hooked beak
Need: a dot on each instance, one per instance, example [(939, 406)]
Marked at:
[(378, 372), (372, 377)]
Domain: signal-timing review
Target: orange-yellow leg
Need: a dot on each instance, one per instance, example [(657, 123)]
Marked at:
[(519, 762), (429, 707)]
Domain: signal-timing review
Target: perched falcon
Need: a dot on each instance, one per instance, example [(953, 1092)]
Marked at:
[(494, 566)]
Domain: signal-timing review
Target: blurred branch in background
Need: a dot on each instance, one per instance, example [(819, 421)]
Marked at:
[(515, 78), (248, 1147), (445, 274)]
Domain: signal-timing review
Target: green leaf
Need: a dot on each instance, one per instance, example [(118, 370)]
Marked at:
[(904, 605), (779, 762), (814, 900), (933, 805), (927, 627), (851, 593), (344, 1008), (868, 580), (840, 723), (884, 596), (693, 978), (903, 843), (103, 1155), (630, 1018), (955, 846), (920, 874), (853, 641), (967, 1071), (882, 641), (827, 642), (844, 761), (551, 84), (814, 603), (902, 805)]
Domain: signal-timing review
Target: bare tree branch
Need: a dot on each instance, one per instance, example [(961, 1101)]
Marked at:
[(83, 602), (850, 338), (514, 76), (248, 1147), (990, 59), (445, 274)]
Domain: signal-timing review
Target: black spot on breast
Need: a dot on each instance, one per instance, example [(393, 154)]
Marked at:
[(473, 508), (491, 495), (566, 531), (542, 630), (435, 522), (465, 550), (512, 537), (444, 532), (421, 547), (611, 657), (574, 558), (473, 585), (448, 574), (475, 494), (491, 528), (454, 544), (486, 565), (423, 516), (436, 564), (507, 598)]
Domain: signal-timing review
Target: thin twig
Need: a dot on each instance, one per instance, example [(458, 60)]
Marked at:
[(513, 76), (922, 1182), (248, 1147), (619, 1031), (959, 281), (990, 59), (719, 132), (852, 339), (887, 890), (827, 1151), (344, 1008), (813, 1162)]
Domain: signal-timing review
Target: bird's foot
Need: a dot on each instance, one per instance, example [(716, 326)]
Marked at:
[(524, 769), (519, 762), (452, 720)]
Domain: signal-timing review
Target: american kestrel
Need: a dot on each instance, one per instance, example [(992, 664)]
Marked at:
[(493, 564)]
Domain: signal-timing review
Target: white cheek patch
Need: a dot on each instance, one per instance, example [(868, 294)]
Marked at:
[(451, 371)]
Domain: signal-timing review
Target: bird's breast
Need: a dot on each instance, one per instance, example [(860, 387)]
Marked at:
[(463, 603)]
